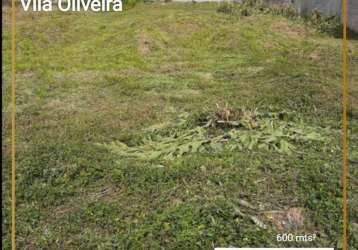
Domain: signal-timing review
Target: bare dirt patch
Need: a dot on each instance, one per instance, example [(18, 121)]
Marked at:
[(147, 44), (315, 56), (289, 29), (292, 218), (144, 44)]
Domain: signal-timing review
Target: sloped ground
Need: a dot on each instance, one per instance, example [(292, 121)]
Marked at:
[(91, 79)]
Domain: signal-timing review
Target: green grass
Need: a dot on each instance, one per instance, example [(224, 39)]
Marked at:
[(85, 79)]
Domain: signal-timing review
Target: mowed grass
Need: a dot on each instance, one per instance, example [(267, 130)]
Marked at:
[(85, 79)]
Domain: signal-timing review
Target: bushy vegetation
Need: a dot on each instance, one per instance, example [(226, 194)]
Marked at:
[(330, 25), (324, 24)]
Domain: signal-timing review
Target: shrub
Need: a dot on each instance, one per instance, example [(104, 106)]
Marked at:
[(329, 25), (227, 8), (324, 24)]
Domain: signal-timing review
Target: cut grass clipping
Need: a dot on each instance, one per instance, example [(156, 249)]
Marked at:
[(225, 129)]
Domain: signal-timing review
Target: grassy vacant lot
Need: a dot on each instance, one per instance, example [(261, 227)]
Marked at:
[(86, 80)]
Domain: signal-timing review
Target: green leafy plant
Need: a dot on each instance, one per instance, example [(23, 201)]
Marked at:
[(224, 129)]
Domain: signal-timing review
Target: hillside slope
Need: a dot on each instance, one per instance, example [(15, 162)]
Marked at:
[(155, 73)]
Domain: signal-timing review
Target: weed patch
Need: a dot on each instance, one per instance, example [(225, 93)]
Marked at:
[(324, 24), (225, 129)]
